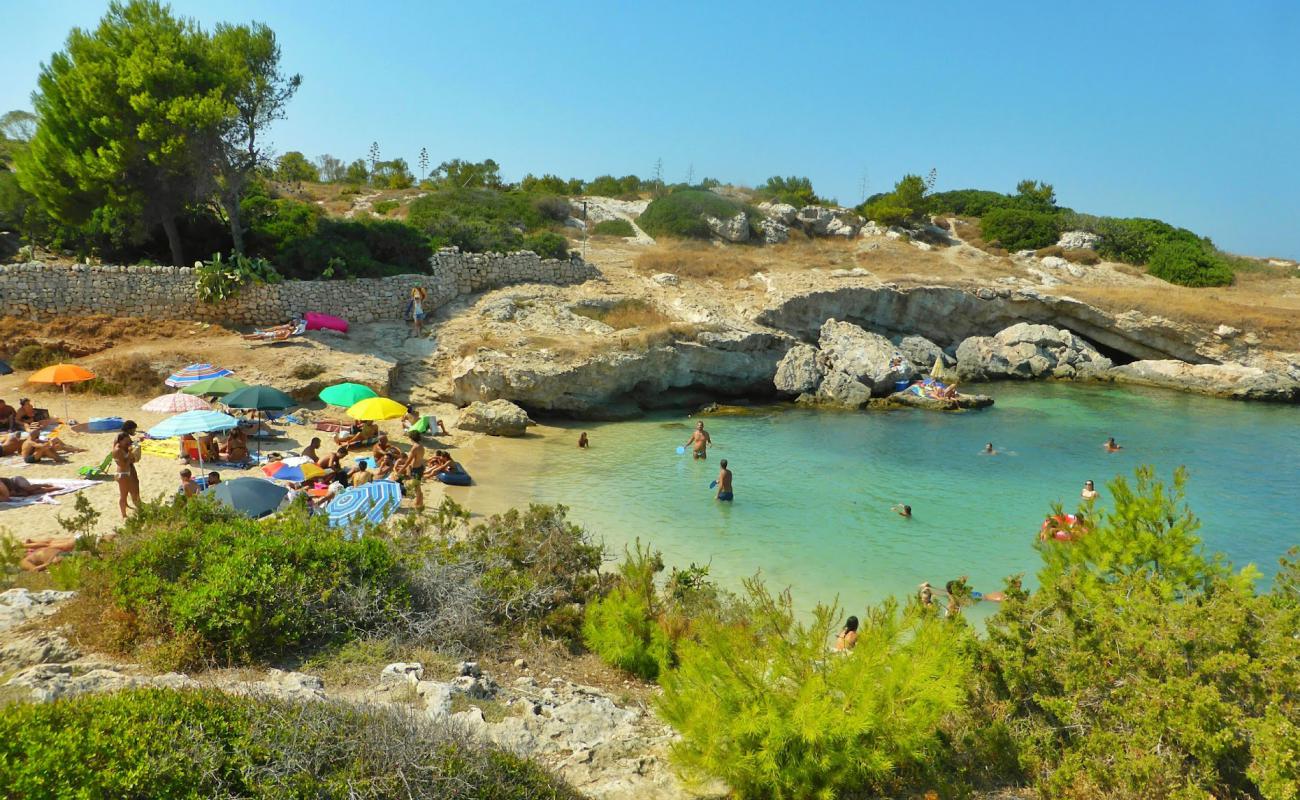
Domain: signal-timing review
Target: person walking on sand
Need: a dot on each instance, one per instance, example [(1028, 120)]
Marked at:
[(125, 454), (415, 310), (724, 482), (700, 441)]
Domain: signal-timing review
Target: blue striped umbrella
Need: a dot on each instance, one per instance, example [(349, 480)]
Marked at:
[(195, 373), (193, 422), (374, 502)]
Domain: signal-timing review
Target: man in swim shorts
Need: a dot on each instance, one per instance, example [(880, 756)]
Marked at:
[(700, 441), (413, 467), (724, 482)]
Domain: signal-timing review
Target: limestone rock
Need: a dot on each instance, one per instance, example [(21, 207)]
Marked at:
[(1236, 381), (41, 647), (841, 390), (734, 229), (665, 279), (864, 357), (922, 353), (1058, 263), (960, 403), (19, 605), (799, 371), (782, 213), (286, 685), (1227, 332), (774, 232), (402, 673), (872, 228), (51, 681), (1028, 351), (1078, 240), (495, 418)]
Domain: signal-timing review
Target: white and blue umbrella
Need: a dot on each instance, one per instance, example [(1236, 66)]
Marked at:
[(195, 373), (370, 502), (198, 421)]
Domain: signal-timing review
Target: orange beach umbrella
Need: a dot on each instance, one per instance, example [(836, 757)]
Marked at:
[(62, 375)]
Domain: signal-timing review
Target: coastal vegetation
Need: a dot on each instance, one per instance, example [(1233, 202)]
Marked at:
[(613, 227), (165, 744), (684, 214)]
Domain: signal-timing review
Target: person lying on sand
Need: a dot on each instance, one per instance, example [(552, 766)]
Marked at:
[(19, 486), (278, 332)]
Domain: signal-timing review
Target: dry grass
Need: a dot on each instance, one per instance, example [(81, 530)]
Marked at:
[(624, 314), (697, 261), (83, 335), (1081, 255), (969, 232), (127, 374)]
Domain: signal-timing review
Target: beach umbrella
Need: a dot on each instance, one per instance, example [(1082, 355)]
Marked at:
[(346, 395), (193, 422), (5, 369), (374, 409), (259, 398), (222, 385), (293, 473), (195, 373), (374, 502), (62, 375), (175, 403), (252, 497)]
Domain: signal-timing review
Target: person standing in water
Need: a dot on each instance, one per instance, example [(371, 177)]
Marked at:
[(1111, 446), (989, 451), (700, 441), (582, 441), (724, 482), (1089, 491)]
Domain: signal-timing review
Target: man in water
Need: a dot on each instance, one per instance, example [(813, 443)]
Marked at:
[(700, 441), (724, 481), (1089, 491), (989, 451), (1110, 445), (582, 441)]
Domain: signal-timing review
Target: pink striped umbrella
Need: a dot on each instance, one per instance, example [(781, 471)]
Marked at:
[(176, 403)]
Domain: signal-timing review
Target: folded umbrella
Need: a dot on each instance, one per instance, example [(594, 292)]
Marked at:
[(346, 395), (253, 497), (195, 373), (175, 403), (370, 502)]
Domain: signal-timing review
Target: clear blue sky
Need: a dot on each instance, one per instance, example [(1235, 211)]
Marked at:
[(1185, 110)]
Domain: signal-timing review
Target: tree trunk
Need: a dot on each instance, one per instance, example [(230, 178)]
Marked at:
[(236, 227), (174, 241)]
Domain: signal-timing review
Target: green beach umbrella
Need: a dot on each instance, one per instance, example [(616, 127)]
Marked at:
[(346, 395), (259, 398), (222, 385)]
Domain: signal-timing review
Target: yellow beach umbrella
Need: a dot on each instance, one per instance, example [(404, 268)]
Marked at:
[(61, 375), (373, 409)]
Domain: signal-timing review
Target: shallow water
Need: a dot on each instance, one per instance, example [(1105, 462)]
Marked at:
[(814, 489)]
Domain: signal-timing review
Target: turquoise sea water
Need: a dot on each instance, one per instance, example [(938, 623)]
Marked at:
[(814, 489)]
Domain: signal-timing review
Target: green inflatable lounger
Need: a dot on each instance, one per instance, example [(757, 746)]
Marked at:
[(425, 425)]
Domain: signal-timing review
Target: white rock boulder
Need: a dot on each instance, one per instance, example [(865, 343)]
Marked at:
[(800, 371), (733, 229), (865, 357), (1025, 350), (495, 418), (1078, 240)]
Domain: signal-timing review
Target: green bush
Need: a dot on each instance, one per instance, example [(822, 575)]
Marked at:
[(37, 356), (356, 248), (1131, 240), (613, 227), (477, 220), (1188, 264), (968, 202), (794, 190), (221, 279), (609, 186), (169, 745), (552, 207), (884, 213), (1144, 668), (1019, 229), (907, 202), (623, 626), (183, 585), (682, 214), (547, 244), (761, 704), (384, 206), (538, 568)]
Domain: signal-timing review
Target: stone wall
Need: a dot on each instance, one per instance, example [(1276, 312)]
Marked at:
[(40, 291)]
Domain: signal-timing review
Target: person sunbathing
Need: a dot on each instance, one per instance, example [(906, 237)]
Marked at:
[(11, 444), (33, 450), (42, 553), (25, 414), (277, 333), (236, 449), (358, 434), (8, 416), (21, 487), (310, 451)]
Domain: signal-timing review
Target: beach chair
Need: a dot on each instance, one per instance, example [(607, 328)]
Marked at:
[(99, 472)]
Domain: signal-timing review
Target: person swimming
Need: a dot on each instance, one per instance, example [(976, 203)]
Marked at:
[(989, 451), (724, 482), (1110, 445), (1089, 491), (699, 441), (902, 510)]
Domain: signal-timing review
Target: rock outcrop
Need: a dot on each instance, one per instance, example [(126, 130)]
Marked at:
[(495, 418), (1029, 351), (1078, 240), (868, 358), (733, 229), (1234, 381), (39, 647), (20, 605), (774, 232), (52, 681), (840, 390), (923, 353), (800, 371)]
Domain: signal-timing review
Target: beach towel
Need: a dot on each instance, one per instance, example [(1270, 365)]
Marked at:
[(164, 448), (64, 486), (328, 426)]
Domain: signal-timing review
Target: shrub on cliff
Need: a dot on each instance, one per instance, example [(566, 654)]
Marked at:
[(547, 244), (613, 227), (1019, 229), (761, 704), (1188, 264), (1131, 240), (794, 190), (164, 744), (682, 214), (623, 626), (197, 582), (906, 203), (479, 220), (967, 202)]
